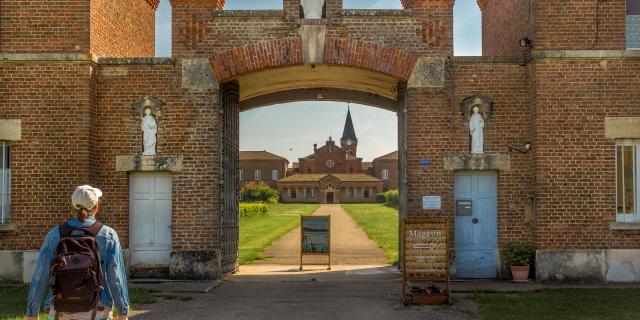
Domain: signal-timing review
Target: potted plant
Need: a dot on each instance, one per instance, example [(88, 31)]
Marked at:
[(520, 256)]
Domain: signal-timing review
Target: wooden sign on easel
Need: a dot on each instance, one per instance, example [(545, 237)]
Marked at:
[(425, 259)]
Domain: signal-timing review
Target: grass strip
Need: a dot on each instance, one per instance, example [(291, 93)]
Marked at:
[(258, 232), (380, 223), (561, 304)]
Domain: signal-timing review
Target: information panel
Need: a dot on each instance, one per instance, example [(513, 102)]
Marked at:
[(315, 236)]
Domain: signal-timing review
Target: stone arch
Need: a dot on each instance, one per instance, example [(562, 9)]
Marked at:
[(347, 52), (266, 69)]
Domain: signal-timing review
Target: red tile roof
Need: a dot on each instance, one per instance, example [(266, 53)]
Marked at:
[(260, 155), (389, 156)]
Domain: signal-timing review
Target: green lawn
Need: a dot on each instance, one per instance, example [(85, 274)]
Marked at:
[(380, 223), (561, 304), (13, 300), (257, 233)]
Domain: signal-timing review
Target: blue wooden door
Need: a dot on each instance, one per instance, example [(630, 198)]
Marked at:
[(476, 230)]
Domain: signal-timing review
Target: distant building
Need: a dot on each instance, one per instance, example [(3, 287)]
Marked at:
[(261, 166), (329, 188), (386, 169), (331, 158), (331, 174)]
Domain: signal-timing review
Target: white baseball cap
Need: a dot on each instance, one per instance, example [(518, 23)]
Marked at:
[(86, 196)]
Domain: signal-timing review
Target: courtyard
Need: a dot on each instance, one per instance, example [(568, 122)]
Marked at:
[(363, 284)]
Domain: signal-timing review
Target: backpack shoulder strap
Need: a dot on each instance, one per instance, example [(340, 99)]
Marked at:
[(64, 230), (94, 228)]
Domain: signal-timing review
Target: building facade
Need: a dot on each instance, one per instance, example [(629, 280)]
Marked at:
[(335, 174), (561, 114), (329, 188), (261, 166), (385, 168)]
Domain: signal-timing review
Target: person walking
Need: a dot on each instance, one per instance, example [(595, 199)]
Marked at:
[(81, 261)]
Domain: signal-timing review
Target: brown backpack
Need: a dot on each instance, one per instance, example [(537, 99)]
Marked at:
[(76, 272)]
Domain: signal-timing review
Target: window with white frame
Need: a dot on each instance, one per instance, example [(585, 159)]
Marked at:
[(627, 180), (293, 193), (5, 184), (258, 175), (633, 24), (240, 175), (385, 174), (275, 174)]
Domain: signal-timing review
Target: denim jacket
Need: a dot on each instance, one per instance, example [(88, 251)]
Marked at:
[(115, 281)]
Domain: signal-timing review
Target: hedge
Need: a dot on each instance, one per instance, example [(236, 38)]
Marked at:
[(259, 192), (389, 198), (253, 209)]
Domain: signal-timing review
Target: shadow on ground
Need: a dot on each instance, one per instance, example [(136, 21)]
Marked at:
[(283, 293)]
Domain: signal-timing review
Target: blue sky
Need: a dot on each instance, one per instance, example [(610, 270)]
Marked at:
[(291, 129)]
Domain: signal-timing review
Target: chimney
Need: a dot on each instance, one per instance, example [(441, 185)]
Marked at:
[(315, 147)]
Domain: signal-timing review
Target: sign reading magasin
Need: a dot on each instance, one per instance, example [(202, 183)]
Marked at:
[(426, 251)]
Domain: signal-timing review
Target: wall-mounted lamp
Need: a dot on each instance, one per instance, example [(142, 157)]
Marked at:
[(524, 149), (526, 43)]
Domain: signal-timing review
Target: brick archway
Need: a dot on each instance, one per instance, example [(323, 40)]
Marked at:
[(285, 52), (288, 64)]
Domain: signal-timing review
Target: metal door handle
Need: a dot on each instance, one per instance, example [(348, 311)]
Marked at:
[(475, 220)]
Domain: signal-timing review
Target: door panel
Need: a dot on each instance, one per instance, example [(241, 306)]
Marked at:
[(476, 234), (150, 218)]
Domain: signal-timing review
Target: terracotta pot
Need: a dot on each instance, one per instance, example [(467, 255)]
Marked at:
[(520, 273)]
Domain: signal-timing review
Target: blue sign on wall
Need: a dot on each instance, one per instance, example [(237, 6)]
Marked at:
[(425, 162)]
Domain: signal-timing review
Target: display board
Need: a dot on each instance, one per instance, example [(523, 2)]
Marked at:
[(315, 237), (426, 251)]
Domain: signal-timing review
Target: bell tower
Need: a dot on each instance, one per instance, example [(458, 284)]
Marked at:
[(349, 141)]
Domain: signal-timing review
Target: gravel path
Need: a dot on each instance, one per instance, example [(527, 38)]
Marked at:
[(349, 243)]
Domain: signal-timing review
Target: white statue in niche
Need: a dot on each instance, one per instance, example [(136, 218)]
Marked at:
[(149, 132), (476, 129), (312, 8)]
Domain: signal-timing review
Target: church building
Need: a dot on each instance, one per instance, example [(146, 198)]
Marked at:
[(332, 174)]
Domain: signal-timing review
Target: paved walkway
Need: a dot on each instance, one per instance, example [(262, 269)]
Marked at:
[(350, 245)]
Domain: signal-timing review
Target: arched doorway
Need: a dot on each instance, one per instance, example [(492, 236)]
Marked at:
[(290, 79), (329, 192)]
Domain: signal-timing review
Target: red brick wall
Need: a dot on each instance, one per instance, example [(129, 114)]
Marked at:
[(53, 100), (504, 23), (44, 26), (123, 28), (436, 17), (392, 166), (249, 167), (580, 24), (437, 127), (188, 127), (198, 31), (575, 163), (571, 24)]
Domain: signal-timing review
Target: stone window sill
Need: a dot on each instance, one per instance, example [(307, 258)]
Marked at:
[(8, 227), (625, 226)]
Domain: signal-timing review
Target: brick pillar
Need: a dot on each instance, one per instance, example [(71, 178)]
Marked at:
[(437, 24), (291, 9), (189, 20)]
